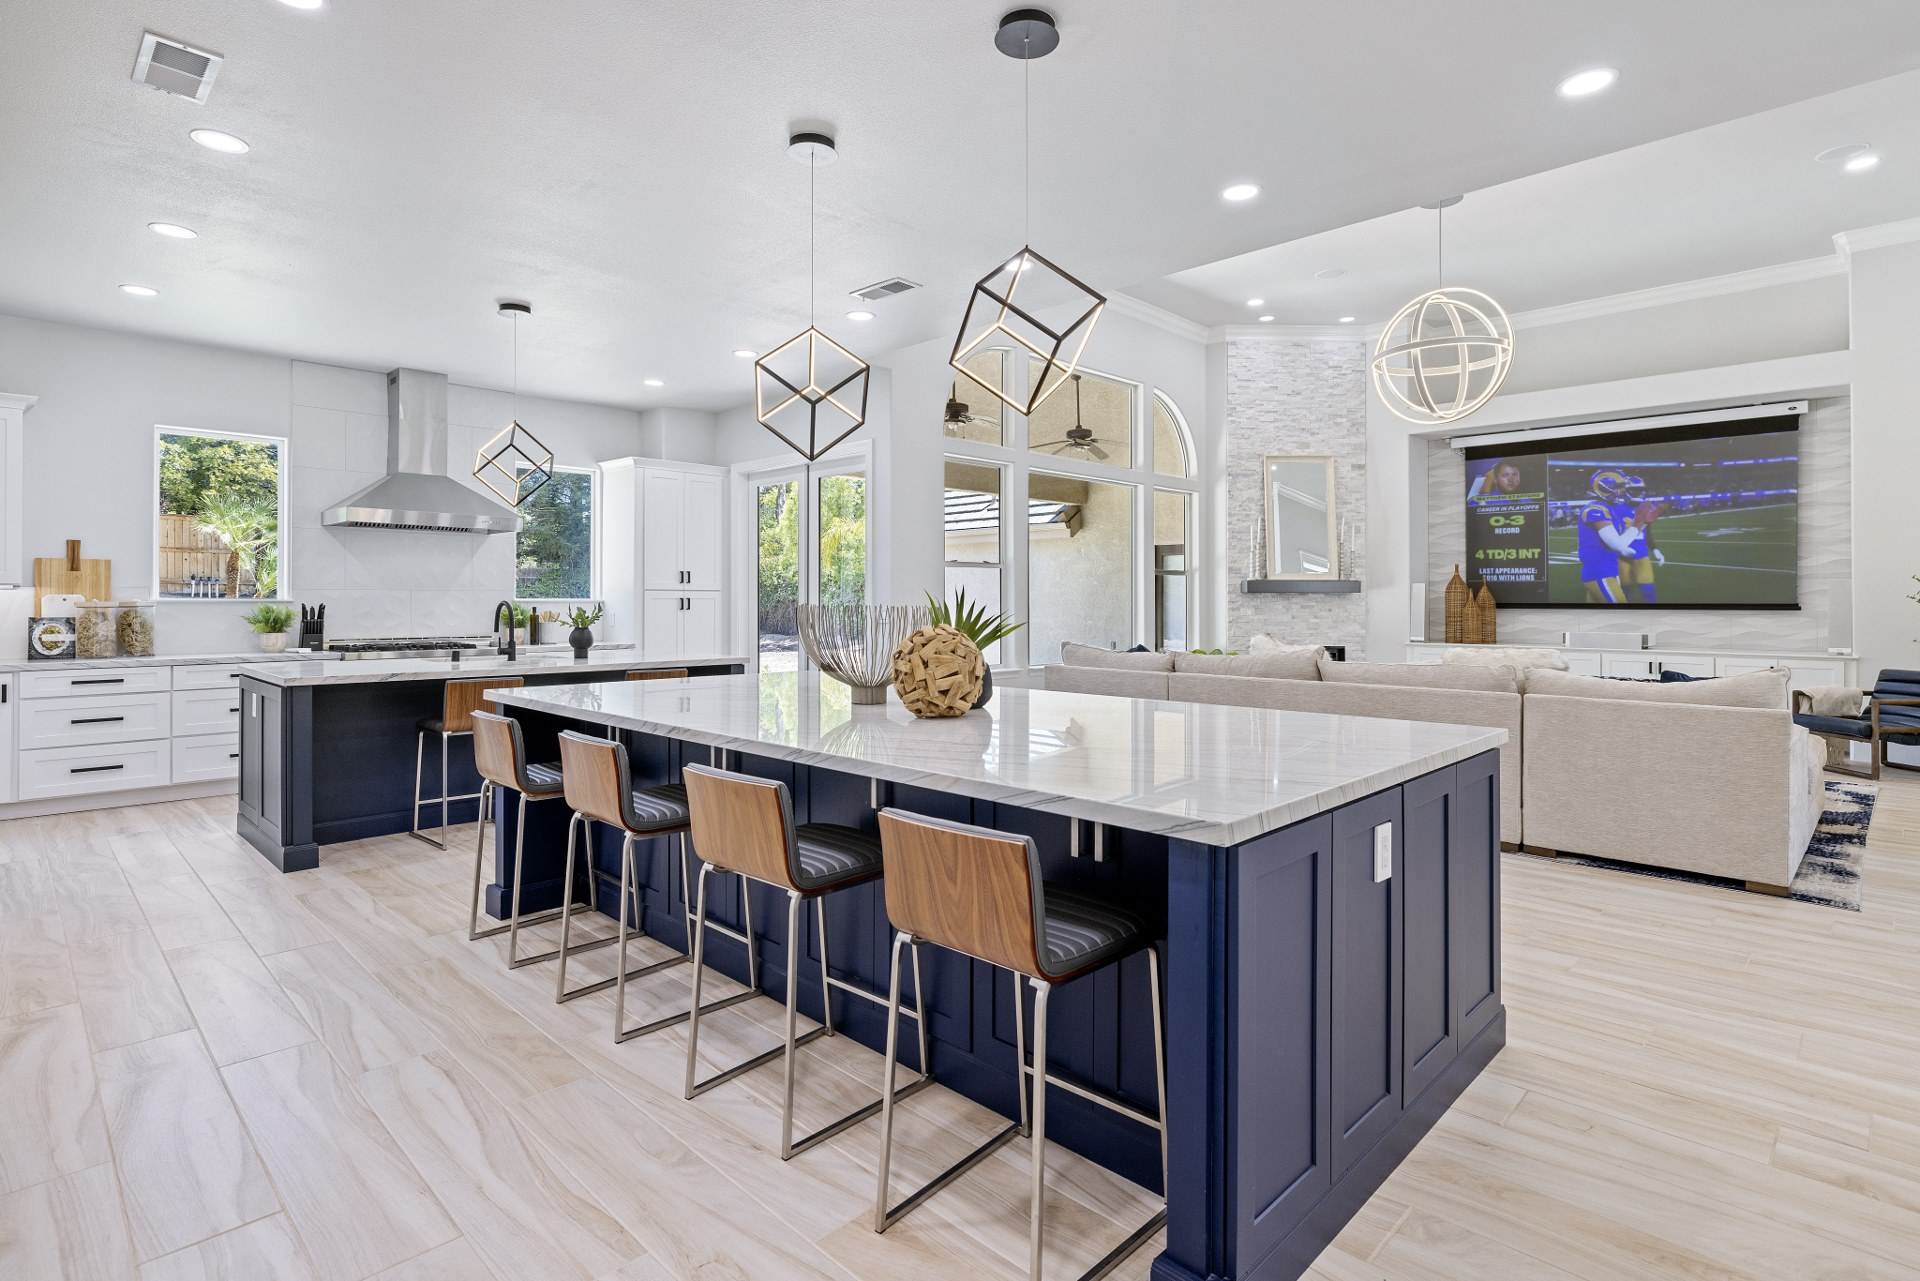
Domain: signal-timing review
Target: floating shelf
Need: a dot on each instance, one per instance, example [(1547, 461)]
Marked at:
[(1329, 586)]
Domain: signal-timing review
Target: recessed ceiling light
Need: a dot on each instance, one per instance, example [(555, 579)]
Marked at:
[(1861, 163), (172, 230), (303, 4), (745, 353), (1266, 320), (1330, 273), (867, 315), (1256, 302), (214, 140), (653, 382), (1346, 320), (1582, 83), (140, 291), (1847, 151), (1240, 191)]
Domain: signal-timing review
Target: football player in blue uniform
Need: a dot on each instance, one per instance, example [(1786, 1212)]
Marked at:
[(1603, 543), (1636, 567)]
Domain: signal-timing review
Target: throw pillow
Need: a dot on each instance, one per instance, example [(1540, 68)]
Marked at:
[(1766, 690), (1477, 676), (1520, 658), (1262, 643), (1277, 664), (1095, 656)]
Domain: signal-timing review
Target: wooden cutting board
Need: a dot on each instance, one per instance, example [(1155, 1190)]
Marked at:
[(71, 575)]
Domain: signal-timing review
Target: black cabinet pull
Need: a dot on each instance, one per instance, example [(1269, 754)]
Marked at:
[(93, 769), (99, 680), (233, 756), (94, 720)]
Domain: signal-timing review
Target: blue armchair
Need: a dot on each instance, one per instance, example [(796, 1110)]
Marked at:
[(1891, 714)]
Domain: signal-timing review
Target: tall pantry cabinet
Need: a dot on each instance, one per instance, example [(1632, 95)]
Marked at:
[(664, 555)]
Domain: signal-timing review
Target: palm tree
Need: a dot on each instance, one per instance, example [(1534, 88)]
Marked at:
[(243, 525)]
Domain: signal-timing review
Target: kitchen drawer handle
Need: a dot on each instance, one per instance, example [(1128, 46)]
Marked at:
[(99, 680), (94, 720), (233, 756), (234, 710), (93, 769)]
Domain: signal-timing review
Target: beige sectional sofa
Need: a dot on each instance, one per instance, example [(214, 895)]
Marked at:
[(1707, 776)]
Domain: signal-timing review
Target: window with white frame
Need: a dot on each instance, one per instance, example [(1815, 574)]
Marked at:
[(1081, 522), (553, 552), (219, 515)]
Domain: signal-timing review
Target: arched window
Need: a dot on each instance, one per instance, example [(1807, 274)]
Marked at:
[(1172, 446)]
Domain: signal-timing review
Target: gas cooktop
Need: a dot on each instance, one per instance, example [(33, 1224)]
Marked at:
[(403, 646)]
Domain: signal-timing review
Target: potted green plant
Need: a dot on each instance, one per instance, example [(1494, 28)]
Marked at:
[(522, 623), (271, 623), (971, 620), (583, 619)]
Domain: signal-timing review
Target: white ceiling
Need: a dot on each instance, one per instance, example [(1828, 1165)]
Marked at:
[(622, 167), (1729, 198)]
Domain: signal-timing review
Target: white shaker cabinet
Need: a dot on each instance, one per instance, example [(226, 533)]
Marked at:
[(664, 555), (8, 694), (13, 488)]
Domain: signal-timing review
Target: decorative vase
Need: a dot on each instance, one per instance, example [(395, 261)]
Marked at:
[(937, 672), (1483, 627), (273, 642), (581, 638), (986, 687), (1457, 597), (855, 644)]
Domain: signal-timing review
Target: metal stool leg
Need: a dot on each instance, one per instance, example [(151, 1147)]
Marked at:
[(445, 740), (696, 941), (479, 862), (419, 770), (1041, 991), (516, 920), (696, 1008), (826, 983)]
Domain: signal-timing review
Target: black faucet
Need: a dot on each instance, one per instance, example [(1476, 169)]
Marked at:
[(508, 649)]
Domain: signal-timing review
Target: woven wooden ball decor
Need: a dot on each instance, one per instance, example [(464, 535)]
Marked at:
[(938, 672)]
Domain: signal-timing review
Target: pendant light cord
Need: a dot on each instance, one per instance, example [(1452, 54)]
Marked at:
[(515, 398), (1440, 247), (812, 161), (1026, 131)]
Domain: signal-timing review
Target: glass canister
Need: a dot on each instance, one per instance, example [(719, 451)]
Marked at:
[(94, 630), (133, 628)]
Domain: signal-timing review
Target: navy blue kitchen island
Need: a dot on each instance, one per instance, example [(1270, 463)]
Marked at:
[(1329, 888)]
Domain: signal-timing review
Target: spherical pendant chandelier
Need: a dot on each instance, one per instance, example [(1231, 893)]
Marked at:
[(1444, 354)]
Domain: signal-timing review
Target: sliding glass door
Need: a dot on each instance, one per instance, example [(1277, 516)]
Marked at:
[(811, 546)]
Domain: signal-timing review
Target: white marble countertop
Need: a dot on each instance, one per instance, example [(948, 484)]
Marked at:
[(165, 660), (376, 671), (1214, 774)]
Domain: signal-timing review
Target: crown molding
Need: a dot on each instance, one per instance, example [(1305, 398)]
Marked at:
[(1849, 243), (1159, 317), (1737, 282), (1289, 333), (22, 403)]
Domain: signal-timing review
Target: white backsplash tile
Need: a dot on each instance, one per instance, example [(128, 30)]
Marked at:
[(317, 437), (330, 387), (366, 442)]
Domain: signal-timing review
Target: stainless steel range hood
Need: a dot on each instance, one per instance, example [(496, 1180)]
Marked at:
[(416, 492)]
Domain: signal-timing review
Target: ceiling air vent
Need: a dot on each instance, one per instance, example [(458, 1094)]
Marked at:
[(885, 289), (176, 68)]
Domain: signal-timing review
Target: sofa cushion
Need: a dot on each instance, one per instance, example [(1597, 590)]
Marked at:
[(1766, 690), (1114, 681), (1262, 643), (1518, 657), (1094, 656), (1275, 664), (1496, 680)]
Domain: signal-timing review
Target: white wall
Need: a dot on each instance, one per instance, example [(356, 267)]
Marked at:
[(1886, 457), (89, 467)]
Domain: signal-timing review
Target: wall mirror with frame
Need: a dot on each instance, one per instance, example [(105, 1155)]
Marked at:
[(1302, 526)]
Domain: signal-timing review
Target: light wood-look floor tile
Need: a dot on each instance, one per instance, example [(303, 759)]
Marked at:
[(457, 1260), (67, 1229), (187, 1168), (126, 990), (361, 1023), (508, 1055), (531, 1219), (268, 913), (264, 1250), (240, 1009), (357, 1203), (50, 1120), (36, 973), (180, 910), (97, 903)]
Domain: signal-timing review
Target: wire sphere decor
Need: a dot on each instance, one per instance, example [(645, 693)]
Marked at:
[(854, 644), (1443, 355)]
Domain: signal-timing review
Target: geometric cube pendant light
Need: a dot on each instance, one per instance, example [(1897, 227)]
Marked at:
[(1444, 354), (810, 391), (995, 313), (514, 464)]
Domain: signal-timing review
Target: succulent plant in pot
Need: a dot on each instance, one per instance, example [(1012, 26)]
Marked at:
[(582, 620), (270, 622), (971, 620)]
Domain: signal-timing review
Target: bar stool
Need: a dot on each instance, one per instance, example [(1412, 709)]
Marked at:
[(500, 754), (744, 826), (598, 784), (458, 703), (657, 674), (978, 892)]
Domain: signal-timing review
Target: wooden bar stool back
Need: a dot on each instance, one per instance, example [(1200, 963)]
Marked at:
[(459, 701), (979, 892), (500, 754), (744, 825)]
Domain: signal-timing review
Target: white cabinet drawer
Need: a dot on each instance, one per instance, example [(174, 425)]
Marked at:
[(1585, 663), (95, 680), (206, 676), (208, 756), (1698, 666), (206, 711), (1810, 674), (73, 722), (72, 771), (1620, 665)]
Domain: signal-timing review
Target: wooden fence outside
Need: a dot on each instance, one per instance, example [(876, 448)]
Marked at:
[(187, 553)]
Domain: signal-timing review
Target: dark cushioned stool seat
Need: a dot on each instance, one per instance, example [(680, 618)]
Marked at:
[(654, 808), (831, 856), (542, 780), (1084, 932), (431, 725)]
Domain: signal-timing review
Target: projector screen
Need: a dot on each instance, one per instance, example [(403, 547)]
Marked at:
[(1682, 517)]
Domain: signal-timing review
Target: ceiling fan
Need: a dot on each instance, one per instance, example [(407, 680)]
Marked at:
[(1078, 436), (958, 416)]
